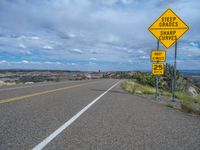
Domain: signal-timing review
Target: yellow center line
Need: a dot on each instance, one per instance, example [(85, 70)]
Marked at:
[(2, 101)]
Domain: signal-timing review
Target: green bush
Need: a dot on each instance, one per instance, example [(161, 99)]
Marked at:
[(197, 99), (188, 102), (165, 93), (186, 106), (183, 96), (147, 91), (144, 78), (170, 105), (134, 87), (165, 81)]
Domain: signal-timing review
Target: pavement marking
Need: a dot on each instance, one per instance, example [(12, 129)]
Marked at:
[(2, 101), (48, 139)]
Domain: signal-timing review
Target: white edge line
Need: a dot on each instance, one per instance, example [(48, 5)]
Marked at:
[(48, 139)]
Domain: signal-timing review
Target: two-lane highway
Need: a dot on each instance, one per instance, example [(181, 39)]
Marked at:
[(91, 114), (30, 114)]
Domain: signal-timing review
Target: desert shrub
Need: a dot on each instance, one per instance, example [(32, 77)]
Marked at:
[(134, 87), (186, 106)]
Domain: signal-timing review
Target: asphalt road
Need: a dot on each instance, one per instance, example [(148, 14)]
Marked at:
[(92, 114)]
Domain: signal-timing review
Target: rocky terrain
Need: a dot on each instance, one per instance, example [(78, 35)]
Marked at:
[(10, 77)]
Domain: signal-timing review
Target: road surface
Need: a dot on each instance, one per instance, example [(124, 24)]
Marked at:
[(91, 114)]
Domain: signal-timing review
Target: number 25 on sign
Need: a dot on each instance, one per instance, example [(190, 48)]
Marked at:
[(158, 69)]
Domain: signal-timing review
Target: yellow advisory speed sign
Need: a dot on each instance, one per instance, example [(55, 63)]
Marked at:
[(158, 55), (158, 69), (168, 28)]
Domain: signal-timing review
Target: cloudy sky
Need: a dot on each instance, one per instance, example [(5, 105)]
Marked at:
[(91, 34)]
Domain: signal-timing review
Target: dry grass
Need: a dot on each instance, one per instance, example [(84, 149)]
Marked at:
[(188, 103), (136, 88)]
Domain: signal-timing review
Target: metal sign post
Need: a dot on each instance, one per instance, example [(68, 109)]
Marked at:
[(174, 75), (156, 94), (158, 68)]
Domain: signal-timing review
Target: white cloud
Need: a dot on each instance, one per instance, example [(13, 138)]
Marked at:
[(21, 45), (111, 38), (49, 47), (71, 35), (92, 63), (25, 61), (25, 52), (50, 63), (144, 57), (109, 2), (34, 38), (22, 37), (130, 61), (127, 1), (72, 64), (194, 44), (3, 62), (114, 2), (110, 30), (58, 63), (141, 51), (77, 51), (93, 59)]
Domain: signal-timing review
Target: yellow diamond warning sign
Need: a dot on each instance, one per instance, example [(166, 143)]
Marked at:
[(168, 28)]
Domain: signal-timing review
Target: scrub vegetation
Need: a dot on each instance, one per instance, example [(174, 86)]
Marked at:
[(186, 92)]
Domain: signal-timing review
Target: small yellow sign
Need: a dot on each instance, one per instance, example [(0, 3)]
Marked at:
[(158, 55), (158, 69), (168, 28)]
